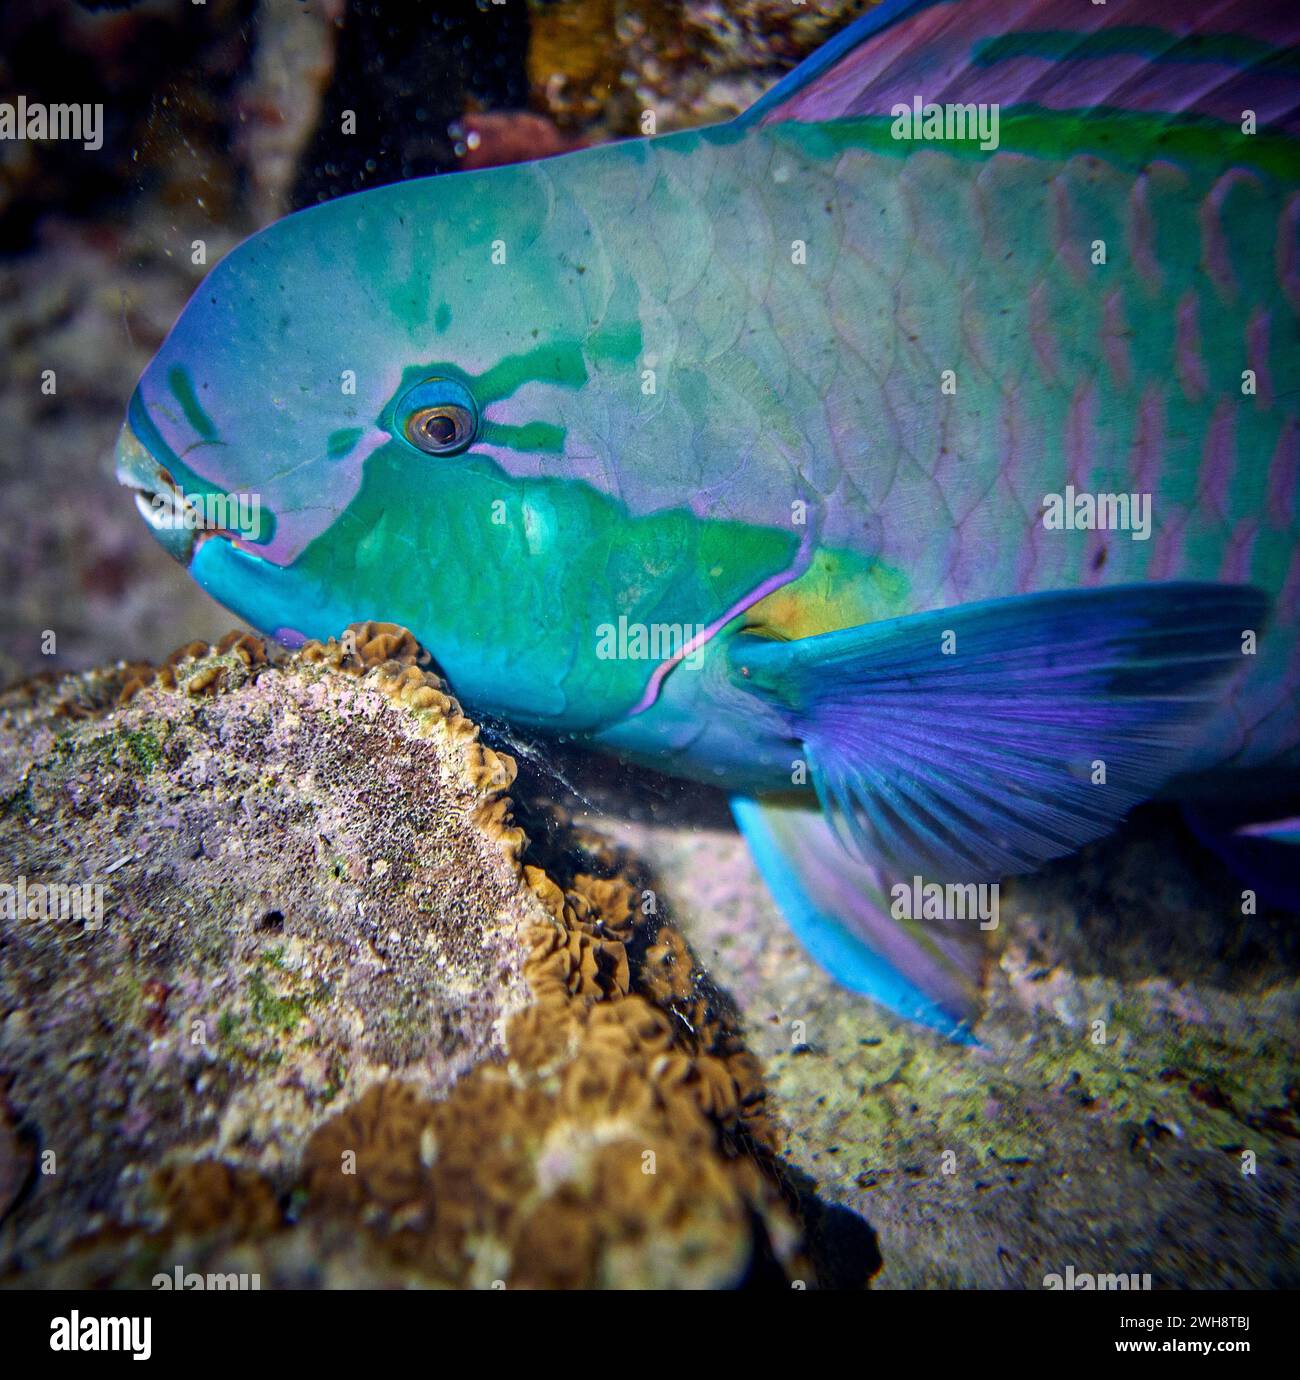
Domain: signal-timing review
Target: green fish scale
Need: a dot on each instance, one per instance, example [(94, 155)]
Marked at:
[(821, 381)]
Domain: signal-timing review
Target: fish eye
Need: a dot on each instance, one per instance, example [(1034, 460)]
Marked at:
[(440, 430), (441, 418)]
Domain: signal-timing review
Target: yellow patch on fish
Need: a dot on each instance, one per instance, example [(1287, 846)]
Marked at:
[(840, 589)]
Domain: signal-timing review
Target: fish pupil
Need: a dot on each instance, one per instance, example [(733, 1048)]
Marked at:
[(441, 429)]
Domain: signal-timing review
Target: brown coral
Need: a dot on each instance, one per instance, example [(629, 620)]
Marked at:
[(205, 1197), (615, 1132)]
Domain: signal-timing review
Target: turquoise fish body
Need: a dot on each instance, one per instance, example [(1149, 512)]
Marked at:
[(755, 407)]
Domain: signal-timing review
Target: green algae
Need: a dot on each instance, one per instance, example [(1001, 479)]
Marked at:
[(143, 747), (1210, 1086), (129, 749), (273, 1010)]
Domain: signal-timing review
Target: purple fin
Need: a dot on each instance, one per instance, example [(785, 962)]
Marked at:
[(1215, 59), (974, 742), (840, 910)]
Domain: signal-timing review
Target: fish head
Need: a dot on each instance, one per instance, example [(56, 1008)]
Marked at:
[(398, 405)]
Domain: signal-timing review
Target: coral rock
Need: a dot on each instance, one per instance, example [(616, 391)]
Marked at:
[(325, 979)]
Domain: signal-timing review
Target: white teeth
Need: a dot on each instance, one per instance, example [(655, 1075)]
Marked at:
[(152, 514), (161, 510)]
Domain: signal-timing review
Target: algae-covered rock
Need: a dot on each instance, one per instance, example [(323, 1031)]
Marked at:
[(1133, 1107), (340, 1023), (316, 1016)]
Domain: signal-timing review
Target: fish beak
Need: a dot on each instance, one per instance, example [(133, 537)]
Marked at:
[(172, 517)]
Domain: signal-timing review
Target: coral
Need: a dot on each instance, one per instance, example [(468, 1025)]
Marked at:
[(597, 65), (332, 973), (208, 1198)]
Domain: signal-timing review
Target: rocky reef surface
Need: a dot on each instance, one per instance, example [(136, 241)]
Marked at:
[(340, 1020), (1133, 1107), (329, 1022)]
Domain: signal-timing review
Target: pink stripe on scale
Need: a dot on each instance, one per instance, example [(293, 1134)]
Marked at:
[(1257, 343), (1190, 363), (1114, 340), (1215, 252), (1240, 552), (1141, 236), (1219, 456), (1147, 458), (1081, 434), (1284, 475)]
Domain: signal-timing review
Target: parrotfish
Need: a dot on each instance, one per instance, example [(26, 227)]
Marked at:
[(914, 457)]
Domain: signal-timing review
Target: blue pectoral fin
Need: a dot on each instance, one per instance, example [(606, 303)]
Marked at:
[(978, 741), (839, 909)]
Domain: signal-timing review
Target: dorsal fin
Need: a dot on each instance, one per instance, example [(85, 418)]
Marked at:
[(1210, 58)]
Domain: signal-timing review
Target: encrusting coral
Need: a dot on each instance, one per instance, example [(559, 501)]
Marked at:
[(353, 1029)]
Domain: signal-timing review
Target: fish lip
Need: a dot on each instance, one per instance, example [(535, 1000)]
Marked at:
[(160, 500)]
